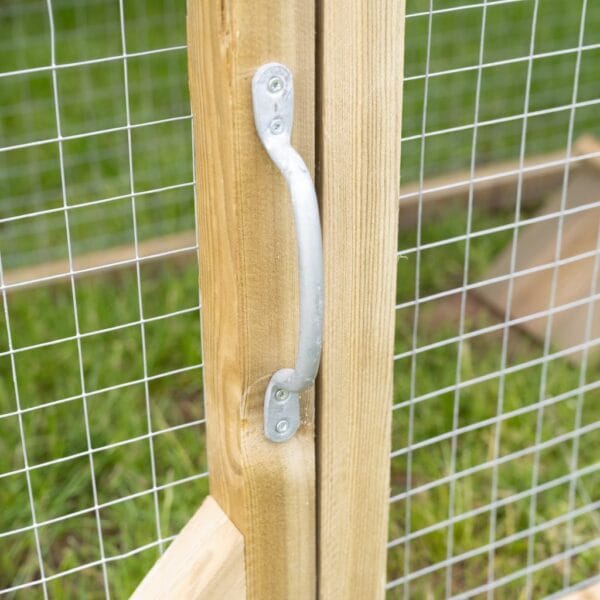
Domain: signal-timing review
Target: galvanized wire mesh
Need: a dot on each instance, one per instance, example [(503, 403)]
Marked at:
[(495, 483), (101, 420)]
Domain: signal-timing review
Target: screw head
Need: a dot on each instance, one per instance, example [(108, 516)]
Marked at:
[(282, 395), (275, 84), (276, 126), (282, 426)]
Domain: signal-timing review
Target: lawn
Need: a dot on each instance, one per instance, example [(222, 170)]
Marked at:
[(98, 393), (119, 415), (55, 433), (426, 510)]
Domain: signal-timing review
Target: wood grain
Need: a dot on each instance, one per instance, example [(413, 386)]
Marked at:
[(359, 112), (249, 283), (206, 561)]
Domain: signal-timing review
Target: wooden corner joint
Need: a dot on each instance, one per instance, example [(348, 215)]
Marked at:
[(205, 562)]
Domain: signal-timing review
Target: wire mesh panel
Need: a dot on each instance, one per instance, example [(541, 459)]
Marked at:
[(495, 481), (102, 455)]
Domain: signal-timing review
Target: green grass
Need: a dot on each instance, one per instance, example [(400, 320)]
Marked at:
[(96, 167), (441, 269), (58, 431), (451, 97), (109, 300), (92, 98)]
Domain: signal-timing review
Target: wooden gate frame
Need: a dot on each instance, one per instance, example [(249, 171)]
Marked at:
[(306, 518)]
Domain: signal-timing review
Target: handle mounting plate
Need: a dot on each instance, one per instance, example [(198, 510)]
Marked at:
[(282, 412)]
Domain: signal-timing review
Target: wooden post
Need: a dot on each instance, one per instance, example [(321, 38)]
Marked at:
[(249, 286), (358, 149), (250, 298)]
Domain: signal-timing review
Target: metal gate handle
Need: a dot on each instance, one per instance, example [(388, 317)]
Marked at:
[(273, 101)]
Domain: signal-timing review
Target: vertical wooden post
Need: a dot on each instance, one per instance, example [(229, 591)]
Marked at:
[(248, 277), (360, 67)]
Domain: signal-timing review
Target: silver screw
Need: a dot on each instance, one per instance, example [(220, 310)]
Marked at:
[(275, 84), (282, 426), (282, 395), (276, 126)]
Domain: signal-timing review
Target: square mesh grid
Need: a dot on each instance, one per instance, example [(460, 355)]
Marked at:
[(495, 489), (101, 416)]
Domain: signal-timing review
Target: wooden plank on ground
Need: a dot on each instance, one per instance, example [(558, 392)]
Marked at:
[(494, 184), (249, 283), (494, 188), (536, 250), (587, 144), (206, 561), (589, 593), (359, 108), (180, 245)]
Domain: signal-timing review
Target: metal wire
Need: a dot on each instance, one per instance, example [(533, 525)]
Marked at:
[(494, 475), (100, 374)]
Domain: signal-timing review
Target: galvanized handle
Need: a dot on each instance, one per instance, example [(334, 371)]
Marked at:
[(273, 100)]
